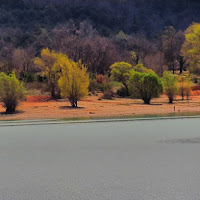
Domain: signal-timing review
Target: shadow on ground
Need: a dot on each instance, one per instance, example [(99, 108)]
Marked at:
[(70, 108), (12, 113)]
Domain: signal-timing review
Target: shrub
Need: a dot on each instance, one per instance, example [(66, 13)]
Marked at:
[(11, 91), (93, 86), (108, 95), (122, 92), (170, 85), (145, 86), (100, 79), (103, 87)]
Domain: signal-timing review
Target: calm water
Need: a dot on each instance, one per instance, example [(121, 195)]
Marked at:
[(148, 160)]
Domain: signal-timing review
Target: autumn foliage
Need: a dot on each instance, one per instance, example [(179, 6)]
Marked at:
[(74, 80)]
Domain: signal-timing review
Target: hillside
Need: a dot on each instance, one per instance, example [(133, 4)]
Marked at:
[(107, 16)]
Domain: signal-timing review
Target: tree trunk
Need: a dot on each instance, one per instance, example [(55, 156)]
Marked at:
[(74, 104), (53, 94), (10, 110), (173, 68), (181, 64), (146, 101), (171, 100)]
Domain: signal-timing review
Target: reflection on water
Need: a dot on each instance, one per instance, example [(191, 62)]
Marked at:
[(182, 141)]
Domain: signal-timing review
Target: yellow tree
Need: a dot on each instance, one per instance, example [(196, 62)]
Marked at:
[(191, 47), (47, 62), (74, 80)]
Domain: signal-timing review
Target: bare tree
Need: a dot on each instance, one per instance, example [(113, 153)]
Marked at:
[(22, 59)]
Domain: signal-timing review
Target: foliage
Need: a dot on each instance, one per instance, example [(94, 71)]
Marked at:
[(104, 87), (74, 80), (142, 69), (27, 77), (191, 47), (93, 86), (188, 86), (109, 16), (185, 85), (108, 95), (170, 85), (100, 78), (50, 68), (122, 92), (145, 86), (11, 91), (121, 72)]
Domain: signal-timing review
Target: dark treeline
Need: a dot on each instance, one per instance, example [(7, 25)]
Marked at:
[(97, 32), (107, 16)]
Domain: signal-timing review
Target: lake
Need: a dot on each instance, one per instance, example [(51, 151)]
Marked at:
[(123, 160)]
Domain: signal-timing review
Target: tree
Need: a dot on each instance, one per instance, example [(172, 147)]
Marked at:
[(50, 68), (180, 39), (169, 47), (155, 62), (145, 86), (188, 86), (140, 68), (170, 85), (74, 80), (185, 85), (181, 80), (22, 59), (191, 47), (121, 71), (11, 91)]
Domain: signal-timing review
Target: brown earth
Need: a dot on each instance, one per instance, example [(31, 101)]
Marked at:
[(42, 107)]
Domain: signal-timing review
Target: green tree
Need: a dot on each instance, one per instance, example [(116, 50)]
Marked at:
[(121, 71), (141, 68), (11, 91), (145, 86), (74, 80), (170, 85)]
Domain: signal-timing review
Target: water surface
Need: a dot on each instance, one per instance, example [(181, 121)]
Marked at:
[(155, 159)]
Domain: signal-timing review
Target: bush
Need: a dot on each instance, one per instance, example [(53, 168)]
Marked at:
[(27, 77), (170, 85), (122, 92), (11, 91), (108, 95), (145, 86), (100, 79), (93, 86), (100, 84), (103, 87)]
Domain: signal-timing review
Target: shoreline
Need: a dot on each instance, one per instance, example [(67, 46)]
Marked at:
[(6, 123)]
